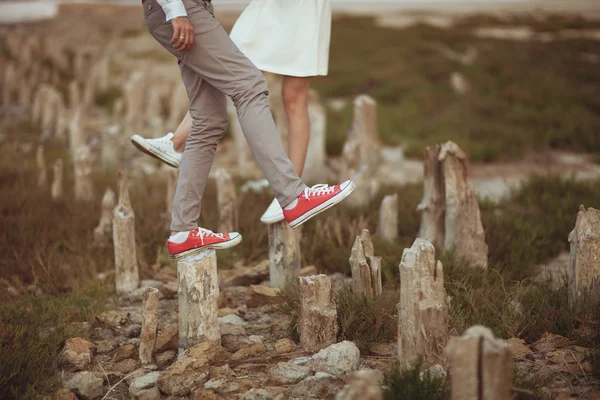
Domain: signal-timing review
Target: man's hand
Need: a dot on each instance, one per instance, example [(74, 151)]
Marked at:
[(183, 33)]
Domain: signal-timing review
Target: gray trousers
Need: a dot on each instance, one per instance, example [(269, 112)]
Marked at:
[(211, 69)]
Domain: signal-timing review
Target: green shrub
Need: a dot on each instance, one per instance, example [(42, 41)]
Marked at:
[(413, 384)]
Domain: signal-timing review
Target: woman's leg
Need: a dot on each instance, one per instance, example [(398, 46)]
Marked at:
[(295, 99), (182, 132)]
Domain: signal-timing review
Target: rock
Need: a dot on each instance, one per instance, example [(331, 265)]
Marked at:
[(285, 345), (517, 348), (114, 319), (105, 346), (215, 384), (64, 394), (233, 320), (204, 394), (337, 359), (165, 358), (146, 283), (243, 276), (149, 394), (125, 352), (436, 371), (364, 385), (231, 324), (309, 270), (169, 290), (550, 341), (207, 352), (257, 394), (133, 331), (86, 385), (234, 343), (143, 382), (77, 354), (181, 377), (126, 366), (320, 386), (587, 367), (168, 339), (286, 373), (384, 349), (257, 296), (219, 372), (249, 351), (562, 356), (301, 360)]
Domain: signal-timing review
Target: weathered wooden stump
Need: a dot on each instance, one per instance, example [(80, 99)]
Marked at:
[(172, 175), (242, 150), (365, 267), (149, 324), (126, 267), (317, 324), (480, 366), (363, 385), (314, 167), (82, 165), (110, 152), (227, 201), (284, 253), (422, 310), (198, 299), (179, 105), (451, 217), (56, 190), (9, 83), (387, 227), (584, 263), (41, 167), (76, 135), (103, 232), (74, 95)]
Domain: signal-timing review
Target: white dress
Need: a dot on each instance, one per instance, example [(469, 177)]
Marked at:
[(286, 37)]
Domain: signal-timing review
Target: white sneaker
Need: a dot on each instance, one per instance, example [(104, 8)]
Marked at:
[(273, 214), (161, 148)]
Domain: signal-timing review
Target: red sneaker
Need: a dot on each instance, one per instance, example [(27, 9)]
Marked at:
[(315, 200), (201, 239)]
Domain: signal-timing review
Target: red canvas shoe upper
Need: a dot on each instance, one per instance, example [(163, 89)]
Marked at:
[(197, 238), (311, 198)]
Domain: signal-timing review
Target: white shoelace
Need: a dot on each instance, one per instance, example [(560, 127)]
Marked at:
[(201, 233), (318, 190)]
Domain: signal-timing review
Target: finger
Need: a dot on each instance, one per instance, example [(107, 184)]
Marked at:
[(189, 39), (180, 42), (176, 34)]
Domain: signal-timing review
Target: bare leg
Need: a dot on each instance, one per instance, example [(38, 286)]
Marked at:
[(295, 99), (182, 132)]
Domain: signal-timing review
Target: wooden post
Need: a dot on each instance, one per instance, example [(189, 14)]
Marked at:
[(82, 165), (172, 175), (149, 324), (451, 219), (103, 232), (126, 267), (387, 227), (362, 385), (227, 200), (41, 167), (9, 84), (422, 310), (317, 324), (110, 152), (242, 150), (198, 299), (480, 366), (57, 180), (76, 136), (179, 105), (365, 267), (314, 166), (284, 253), (74, 95), (584, 263)]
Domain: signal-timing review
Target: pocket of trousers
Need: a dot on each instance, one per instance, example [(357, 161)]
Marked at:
[(154, 16)]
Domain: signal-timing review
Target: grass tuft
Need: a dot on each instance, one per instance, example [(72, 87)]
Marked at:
[(413, 384)]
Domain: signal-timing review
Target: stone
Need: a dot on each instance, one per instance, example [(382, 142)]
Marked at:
[(86, 385), (64, 394), (167, 339), (204, 394), (285, 373), (165, 358), (206, 352), (149, 394), (518, 349), (169, 290), (284, 253), (127, 276), (257, 394), (220, 372), (244, 276), (234, 343), (562, 356), (584, 262), (249, 351), (257, 296), (317, 324), (479, 362), (149, 324), (319, 386), (364, 385), (387, 227), (143, 382), (285, 345), (125, 352), (105, 346), (126, 366), (133, 331), (550, 341), (384, 349), (198, 299), (231, 324), (337, 359), (422, 310), (459, 83), (113, 319), (181, 377), (77, 354)]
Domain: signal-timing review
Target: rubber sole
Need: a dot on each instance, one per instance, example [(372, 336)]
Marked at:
[(144, 147), (217, 246), (273, 220), (322, 207)]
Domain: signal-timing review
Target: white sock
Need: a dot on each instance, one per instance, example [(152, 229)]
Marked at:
[(291, 205), (179, 237)]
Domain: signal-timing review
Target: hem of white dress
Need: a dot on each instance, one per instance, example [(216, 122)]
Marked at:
[(283, 71)]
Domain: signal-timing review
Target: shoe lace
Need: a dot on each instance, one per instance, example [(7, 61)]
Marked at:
[(317, 190), (202, 233)]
